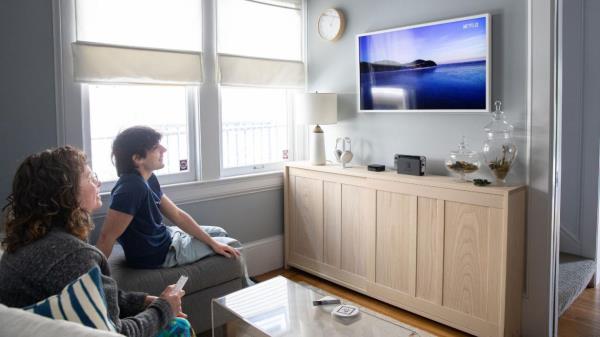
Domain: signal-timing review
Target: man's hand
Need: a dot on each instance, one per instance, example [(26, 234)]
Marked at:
[(225, 250)]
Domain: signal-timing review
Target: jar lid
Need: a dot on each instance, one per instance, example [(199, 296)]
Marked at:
[(463, 149), (498, 123)]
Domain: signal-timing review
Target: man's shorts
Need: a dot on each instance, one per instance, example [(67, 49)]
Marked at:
[(186, 249)]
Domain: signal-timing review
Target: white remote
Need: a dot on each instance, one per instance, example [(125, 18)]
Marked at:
[(180, 283)]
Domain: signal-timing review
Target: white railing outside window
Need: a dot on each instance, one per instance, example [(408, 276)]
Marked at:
[(250, 144), (174, 138)]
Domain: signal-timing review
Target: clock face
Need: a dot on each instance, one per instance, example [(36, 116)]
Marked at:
[(331, 24)]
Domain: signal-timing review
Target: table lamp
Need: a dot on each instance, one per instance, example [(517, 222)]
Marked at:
[(315, 109)]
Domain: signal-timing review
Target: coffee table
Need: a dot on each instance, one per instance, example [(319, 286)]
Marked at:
[(281, 307)]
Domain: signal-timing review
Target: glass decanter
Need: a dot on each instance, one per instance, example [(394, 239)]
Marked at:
[(499, 149), (462, 161)]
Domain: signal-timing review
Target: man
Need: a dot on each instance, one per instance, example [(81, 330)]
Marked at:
[(137, 205)]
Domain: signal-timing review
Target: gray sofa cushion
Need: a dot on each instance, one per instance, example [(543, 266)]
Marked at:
[(205, 273)]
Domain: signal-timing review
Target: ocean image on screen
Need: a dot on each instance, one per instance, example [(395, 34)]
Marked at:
[(434, 67)]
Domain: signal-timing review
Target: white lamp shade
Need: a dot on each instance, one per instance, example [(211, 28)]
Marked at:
[(316, 108)]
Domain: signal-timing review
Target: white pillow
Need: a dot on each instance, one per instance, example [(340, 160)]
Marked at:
[(16, 322)]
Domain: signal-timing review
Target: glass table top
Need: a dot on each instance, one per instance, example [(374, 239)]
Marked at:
[(280, 307)]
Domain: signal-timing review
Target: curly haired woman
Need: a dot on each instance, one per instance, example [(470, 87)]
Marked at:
[(48, 222)]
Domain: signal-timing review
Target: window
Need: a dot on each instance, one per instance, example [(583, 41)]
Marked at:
[(113, 108), (162, 24), (259, 48), (117, 66), (259, 30), (140, 62), (254, 129)]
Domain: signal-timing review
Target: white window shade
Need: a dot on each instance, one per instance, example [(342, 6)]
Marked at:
[(254, 29), (248, 71), (162, 24), (107, 63), (297, 4)]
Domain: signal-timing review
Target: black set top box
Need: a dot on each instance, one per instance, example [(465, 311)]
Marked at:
[(413, 165), (376, 167)]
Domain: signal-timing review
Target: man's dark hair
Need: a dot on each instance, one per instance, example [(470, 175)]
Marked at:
[(131, 141)]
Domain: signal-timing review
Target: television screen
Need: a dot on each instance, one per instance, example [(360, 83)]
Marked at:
[(438, 66)]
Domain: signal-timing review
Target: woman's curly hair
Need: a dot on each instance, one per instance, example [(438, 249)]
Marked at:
[(44, 196)]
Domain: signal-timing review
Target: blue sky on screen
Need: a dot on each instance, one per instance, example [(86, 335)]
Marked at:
[(452, 42)]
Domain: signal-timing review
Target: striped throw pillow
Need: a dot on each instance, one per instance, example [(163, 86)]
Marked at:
[(82, 301)]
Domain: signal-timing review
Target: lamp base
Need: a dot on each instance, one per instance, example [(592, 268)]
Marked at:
[(317, 147)]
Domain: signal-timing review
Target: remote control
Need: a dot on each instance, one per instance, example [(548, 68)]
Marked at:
[(180, 283), (325, 302)]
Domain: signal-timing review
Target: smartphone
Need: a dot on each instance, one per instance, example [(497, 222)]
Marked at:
[(180, 283)]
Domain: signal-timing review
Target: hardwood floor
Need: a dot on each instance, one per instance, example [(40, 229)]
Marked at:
[(373, 304), (583, 317)]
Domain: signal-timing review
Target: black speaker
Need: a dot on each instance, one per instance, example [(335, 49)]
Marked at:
[(413, 165)]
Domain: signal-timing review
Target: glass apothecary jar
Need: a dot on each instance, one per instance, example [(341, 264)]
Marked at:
[(499, 149), (463, 161)]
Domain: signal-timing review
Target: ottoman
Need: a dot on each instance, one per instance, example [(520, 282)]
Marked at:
[(211, 277)]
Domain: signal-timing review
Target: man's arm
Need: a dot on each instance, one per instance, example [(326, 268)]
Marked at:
[(114, 225), (184, 221)]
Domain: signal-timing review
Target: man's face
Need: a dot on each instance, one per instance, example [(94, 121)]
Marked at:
[(153, 160)]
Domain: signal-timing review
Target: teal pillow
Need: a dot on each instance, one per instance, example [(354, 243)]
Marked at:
[(82, 301)]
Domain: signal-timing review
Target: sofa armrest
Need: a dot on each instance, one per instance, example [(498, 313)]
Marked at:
[(15, 322)]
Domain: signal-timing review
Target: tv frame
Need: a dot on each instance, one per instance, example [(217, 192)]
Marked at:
[(488, 70)]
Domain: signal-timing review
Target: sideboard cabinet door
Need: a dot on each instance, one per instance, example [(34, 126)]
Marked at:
[(472, 259), (358, 232), (396, 241), (306, 225)]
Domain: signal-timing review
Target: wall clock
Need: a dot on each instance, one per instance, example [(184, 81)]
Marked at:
[(331, 24)]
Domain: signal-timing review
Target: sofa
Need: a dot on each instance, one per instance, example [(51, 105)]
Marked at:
[(211, 277), (15, 322)]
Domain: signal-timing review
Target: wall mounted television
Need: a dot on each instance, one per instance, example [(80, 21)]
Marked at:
[(441, 66)]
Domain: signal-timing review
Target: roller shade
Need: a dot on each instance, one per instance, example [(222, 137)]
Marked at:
[(248, 71), (297, 4), (109, 63)]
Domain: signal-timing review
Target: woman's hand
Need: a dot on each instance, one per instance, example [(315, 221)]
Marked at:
[(149, 299), (225, 250), (174, 299)]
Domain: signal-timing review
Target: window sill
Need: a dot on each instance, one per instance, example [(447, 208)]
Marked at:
[(225, 187)]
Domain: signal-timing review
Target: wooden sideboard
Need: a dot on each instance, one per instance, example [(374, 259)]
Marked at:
[(446, 250)]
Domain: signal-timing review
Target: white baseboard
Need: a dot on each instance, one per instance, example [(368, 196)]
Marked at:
[(264, 255)]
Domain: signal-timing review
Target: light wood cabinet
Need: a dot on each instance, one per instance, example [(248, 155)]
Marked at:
[(446, 250)]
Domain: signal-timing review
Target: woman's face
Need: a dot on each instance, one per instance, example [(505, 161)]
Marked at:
[(88, 198)]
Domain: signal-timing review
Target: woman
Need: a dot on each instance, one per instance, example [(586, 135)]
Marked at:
[(48, 222)]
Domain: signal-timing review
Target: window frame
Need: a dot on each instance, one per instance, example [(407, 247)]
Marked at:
[(261, 167), (73, 108), (192, 108), (296, 142)]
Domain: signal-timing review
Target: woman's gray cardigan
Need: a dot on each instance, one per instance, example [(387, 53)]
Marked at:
[(44, 267)]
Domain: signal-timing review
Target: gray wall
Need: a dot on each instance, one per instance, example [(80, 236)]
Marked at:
[(377, 136), (580, 127), (27, 104), (248, 217)]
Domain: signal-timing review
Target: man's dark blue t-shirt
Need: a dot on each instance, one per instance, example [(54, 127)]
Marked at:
[(146, 240)]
